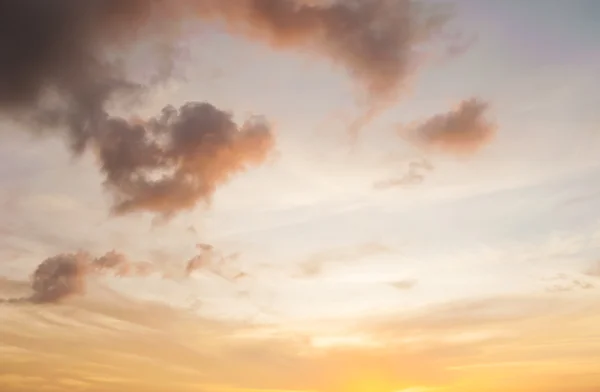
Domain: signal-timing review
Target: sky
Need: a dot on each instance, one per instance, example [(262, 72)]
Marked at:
[(253, 196)]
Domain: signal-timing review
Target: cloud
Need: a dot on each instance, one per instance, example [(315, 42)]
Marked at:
[(413, 176), (66, 63), (60, 277), (377, 41), (173, 161), (315, 264), (565, 283), (120, 265), (478, 343), (210, 260), (464, 130), (380, 43), (406, 284)]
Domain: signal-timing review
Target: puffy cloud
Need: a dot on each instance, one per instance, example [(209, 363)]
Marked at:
[(464, 130), (59, 277), (173, 161)]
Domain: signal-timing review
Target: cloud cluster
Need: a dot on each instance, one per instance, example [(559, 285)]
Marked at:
[(62, 276), (65, 63), (61, 69), (464, 130)]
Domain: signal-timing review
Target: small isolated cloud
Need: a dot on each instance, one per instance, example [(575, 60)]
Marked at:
[(415, 175), (212, 261), (405, 284), (462, 131), (315, 264), (118, 264)]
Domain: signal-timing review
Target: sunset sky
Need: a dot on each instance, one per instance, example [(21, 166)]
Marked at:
[(451, 242)]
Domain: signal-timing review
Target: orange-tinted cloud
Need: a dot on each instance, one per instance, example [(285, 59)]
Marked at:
[(380, 43), (377, 41), (57, 74), (119, 265), (464, 130), (59, 277), (177, 159), (214, 262)]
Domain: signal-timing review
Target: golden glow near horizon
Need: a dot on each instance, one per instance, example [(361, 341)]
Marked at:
[(404, 218)]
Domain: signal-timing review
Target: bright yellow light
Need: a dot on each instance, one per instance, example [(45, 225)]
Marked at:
[(368, 383)]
